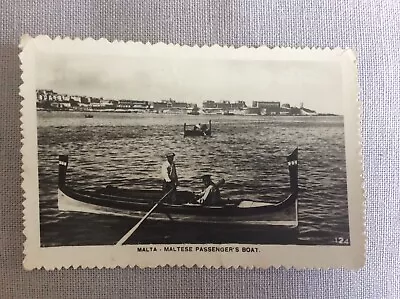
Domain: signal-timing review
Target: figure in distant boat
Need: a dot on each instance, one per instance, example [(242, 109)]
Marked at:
[(203, 127), (211, 195), (200, 127), (170, 177)]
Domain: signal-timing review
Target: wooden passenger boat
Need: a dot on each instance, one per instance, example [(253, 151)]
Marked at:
[(196, 131), (136, 203)]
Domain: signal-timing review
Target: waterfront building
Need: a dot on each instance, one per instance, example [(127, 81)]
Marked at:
[(133, 104), (85, 100), (268, 108), (62, 105), (45, 95), (170, 105), (160, 106), (94, 100), (239, 105), (109, 104), (174, 104), (223, 107), (209, 105), (285, 109), (252, 111), (48, 99)]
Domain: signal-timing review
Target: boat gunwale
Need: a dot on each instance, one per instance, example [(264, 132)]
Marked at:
[(229, 210), (198, 219), (184, 209)]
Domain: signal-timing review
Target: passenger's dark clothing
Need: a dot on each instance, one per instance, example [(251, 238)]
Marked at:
[(167, 186)]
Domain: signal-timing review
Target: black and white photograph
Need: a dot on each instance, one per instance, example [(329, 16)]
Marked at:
[(170, 147)]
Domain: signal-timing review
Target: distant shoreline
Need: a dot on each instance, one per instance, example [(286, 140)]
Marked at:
[(177, 113)]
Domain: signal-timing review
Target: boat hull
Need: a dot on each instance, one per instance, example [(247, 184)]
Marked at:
[(191, 133), (246, 213), (136, 203)]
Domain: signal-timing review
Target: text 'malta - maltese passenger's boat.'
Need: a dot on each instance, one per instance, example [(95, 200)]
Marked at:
[(136, 203)]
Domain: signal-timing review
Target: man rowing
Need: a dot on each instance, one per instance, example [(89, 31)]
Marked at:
[(210, 196), (200, 127), (203, 127), (170, 178)]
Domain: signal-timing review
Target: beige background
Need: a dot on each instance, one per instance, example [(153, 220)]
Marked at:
[(370, 27)]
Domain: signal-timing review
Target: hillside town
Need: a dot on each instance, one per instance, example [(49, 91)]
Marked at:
[(48, 100)]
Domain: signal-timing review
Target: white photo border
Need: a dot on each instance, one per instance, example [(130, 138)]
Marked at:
[(297, 256)]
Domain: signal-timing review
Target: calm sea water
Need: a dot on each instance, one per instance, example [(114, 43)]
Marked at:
[(249, 152)]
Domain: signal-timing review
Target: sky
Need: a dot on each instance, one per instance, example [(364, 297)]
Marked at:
[(316, 84)]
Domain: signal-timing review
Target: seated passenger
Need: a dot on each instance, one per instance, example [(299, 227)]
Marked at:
[(210, 196), (203, 127)]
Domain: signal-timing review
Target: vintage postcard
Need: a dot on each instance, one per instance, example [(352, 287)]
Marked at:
[(146, 155)]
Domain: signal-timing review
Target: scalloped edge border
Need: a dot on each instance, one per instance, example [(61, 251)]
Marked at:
[(348, 257)]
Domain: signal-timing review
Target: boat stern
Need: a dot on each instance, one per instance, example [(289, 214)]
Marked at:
[(62, 169), (292, 161)]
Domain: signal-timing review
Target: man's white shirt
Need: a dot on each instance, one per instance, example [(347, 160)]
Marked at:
[(165, 172)]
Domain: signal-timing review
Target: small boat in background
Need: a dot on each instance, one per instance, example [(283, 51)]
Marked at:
[(197, 130), (193, 112), (88, 115)]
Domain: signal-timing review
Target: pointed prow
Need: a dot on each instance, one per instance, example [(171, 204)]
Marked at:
[(62, 169), (292, 161)]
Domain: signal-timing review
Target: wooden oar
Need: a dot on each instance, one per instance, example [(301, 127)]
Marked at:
[(133, 229)]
